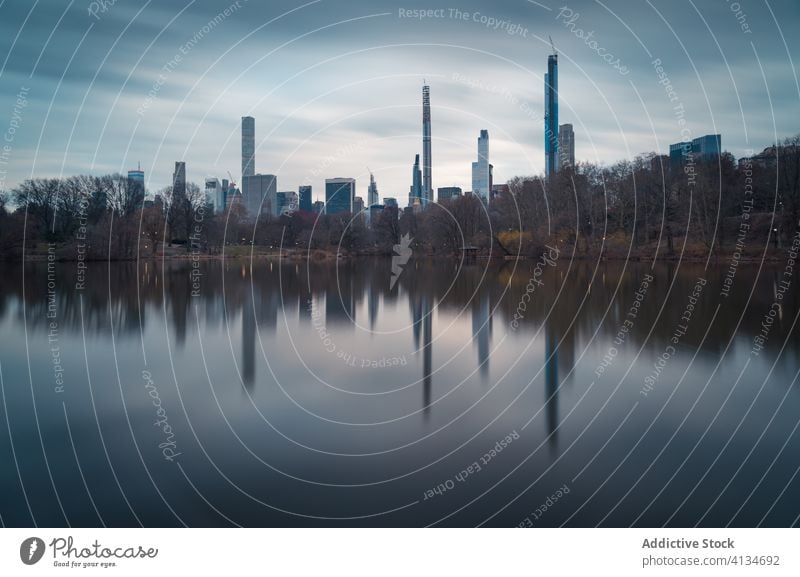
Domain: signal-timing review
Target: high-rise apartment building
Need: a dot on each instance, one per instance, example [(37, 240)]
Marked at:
[(551, 115), (213, 190), (179, 181), (372, 191), (427, 187), (566, 146), (481, 178), (248, 146)]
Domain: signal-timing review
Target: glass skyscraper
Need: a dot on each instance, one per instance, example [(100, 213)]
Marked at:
[(339, 194), (136, 186), (304, 192), (701, 148), (551, 115)]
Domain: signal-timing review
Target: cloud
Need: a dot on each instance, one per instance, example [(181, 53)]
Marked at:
[(333, 74)]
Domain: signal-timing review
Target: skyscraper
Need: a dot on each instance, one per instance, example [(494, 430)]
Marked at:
[(427, 187), (135, 188), (222, 197), (372, 191), (358, 206), (551, 115), (213, 190), (304, 192), (260, 194), (566, 146), (179, 181), (415, 192), (481, 179), (339, 194), (248, 146)]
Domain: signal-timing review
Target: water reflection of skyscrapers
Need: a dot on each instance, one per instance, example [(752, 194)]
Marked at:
[(373, 303), (559, 335), (339, 303), (421, 312), (248, 339), (482, 330), (551, 383), (427, 351)]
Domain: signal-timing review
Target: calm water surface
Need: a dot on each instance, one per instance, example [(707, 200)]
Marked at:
[(466, 394)]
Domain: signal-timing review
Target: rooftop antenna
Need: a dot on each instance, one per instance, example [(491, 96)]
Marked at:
[(553, 45)]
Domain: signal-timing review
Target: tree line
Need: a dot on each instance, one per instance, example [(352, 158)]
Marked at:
[(645, 204)]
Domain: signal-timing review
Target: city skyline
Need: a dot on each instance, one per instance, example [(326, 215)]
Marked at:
[(194, 114)]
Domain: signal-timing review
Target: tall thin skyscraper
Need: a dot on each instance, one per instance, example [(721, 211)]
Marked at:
[(481, 179), (372, 191), (248, 146), (551, 115), (427, 187)]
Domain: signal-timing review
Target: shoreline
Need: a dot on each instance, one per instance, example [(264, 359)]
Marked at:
[(772, 255)]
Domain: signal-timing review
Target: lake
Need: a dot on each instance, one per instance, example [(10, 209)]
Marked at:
[(547, 392)]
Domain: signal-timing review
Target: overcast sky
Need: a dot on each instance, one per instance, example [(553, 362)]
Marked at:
[(335, 86)]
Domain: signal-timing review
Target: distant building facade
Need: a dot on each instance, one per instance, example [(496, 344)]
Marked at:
[(304, 198), (767, 158), (339, 195), (212, 192), (372, 191), (260, 196), (248, 146), (136, 188), (179, 180), (481, 173), (448, 192), (358, 206), (287, 202), (701, 148), (415, 193), (566, 146)]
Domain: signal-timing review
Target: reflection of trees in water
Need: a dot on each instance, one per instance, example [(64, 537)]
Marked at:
[(127, 294)]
